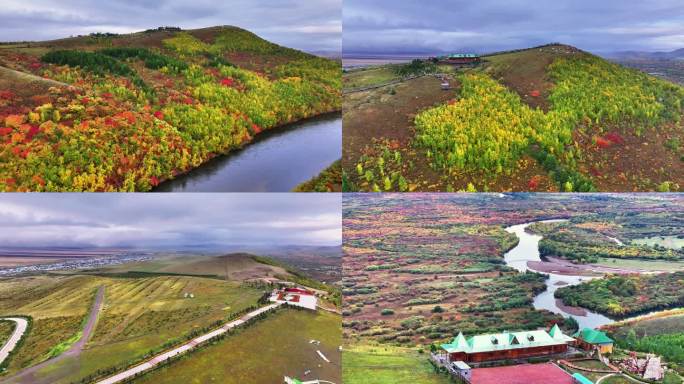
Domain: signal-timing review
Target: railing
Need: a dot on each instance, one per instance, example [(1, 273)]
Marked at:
[(443, 361)]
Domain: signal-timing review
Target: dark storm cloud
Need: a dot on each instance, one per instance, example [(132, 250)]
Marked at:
[(376, 26), (312, 25), (169, 219)]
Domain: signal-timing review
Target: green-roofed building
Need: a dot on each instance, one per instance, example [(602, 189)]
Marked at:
[(590, 339), (461, 55), (459, 58), (506, 345)]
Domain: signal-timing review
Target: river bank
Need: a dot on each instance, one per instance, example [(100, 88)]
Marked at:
[(275, 161)]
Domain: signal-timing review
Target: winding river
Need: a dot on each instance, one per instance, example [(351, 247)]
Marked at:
[(277, 161), (528, 250)]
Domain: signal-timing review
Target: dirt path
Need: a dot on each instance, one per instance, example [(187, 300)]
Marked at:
[(19, 330), (7, 73), (331, 310), (28, 375), (162, 357)]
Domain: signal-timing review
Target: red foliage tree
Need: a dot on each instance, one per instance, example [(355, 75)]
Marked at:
[(33, 131), (615, 138), (602, 143), (533, 184)]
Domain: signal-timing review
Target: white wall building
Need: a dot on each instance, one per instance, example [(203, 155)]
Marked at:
[(295, 296)]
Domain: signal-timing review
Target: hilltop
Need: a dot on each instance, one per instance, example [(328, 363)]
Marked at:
[(236, 266), (110, 112), (301, 268), (239, 46), (548, 118)]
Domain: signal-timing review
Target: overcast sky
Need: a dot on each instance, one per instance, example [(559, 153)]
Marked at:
[(392, 26), (311, 25), (170, 219)]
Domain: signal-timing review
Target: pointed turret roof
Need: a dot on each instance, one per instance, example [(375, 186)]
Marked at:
[(557, 334), (460, 341)]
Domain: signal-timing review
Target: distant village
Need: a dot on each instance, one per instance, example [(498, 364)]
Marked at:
[(72, 264), (457, 59)]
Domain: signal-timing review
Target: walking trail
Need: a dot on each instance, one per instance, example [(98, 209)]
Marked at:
[(162, 357), (28, 375), (28, 77), (19, 330)]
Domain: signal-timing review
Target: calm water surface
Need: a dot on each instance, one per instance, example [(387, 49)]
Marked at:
[(277, 161)]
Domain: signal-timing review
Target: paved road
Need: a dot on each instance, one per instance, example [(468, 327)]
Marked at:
[(289, 380), (27, 376), (19, 330), (331, 310), (323, 356), (185, 347)]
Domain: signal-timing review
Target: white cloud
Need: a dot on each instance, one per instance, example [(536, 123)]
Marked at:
[(489, 25), (170, 219)]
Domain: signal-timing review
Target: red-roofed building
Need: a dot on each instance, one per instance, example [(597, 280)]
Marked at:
[(295, 296), (299, 291)]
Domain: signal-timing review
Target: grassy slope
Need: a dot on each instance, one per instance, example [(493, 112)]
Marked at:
[(147, 313), (657, 327), (647, 265), (139, 315), (590, 364), (236, 266), (363, 364), (6, 329), (420, 176), (524, 72), (368, 77), (264, 352), (670, 242), (527, 70), (57, 306)]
